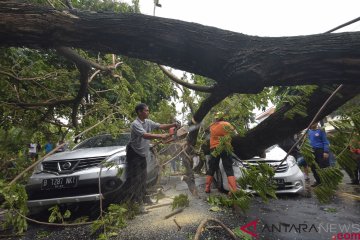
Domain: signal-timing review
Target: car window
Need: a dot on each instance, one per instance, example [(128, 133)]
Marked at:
[(106, 140)]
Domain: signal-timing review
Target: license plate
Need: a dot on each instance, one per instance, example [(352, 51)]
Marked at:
[(279, 181), (59, 183)]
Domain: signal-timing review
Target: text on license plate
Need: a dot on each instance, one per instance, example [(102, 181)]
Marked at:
[(60, 182), (279, 181)]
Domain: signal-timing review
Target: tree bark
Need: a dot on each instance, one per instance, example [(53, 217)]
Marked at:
[(237, 62), (244, 64), (277, 127)]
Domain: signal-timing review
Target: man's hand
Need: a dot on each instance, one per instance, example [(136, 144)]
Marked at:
[(177, 124), (326, 155), (165, 136)]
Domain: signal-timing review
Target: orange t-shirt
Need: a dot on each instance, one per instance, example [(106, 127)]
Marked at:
[(217, 130)]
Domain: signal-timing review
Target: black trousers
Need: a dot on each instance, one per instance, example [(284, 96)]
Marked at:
[(136, 175), (321, 161), (356, 179), (226, 161)]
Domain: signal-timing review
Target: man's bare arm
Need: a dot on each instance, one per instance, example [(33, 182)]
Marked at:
[(151, 136), (167, 126)]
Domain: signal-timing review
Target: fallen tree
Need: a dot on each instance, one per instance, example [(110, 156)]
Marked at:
[(236, 62)]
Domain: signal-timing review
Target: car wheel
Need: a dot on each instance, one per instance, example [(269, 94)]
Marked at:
[(91, 209)]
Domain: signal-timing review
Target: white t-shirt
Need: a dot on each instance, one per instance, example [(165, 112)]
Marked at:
[(32, 148)]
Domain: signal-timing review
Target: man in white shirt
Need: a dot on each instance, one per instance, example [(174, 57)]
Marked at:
[(33, 151)]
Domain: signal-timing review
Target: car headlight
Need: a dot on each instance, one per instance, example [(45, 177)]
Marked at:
[(291, 161), (38, 168), (117, 158)]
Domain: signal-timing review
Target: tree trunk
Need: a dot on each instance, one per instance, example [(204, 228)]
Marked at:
[(278, 127), (239, 63)]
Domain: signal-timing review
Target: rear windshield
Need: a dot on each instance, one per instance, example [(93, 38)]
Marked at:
[(105, 140)]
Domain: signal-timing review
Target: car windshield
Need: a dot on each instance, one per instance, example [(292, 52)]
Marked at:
[(105, 140)]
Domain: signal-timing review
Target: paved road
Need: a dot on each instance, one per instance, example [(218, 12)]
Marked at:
[(289, 217), (302, 217)]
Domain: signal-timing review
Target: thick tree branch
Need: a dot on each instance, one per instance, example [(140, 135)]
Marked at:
[(246, 64), (78, 60), (277, 127), (69, 4), (237, 62), (343, 25), (84, 67), (204, 108), (111, 67), (191, 86), (84, 83), (211, 101), (94, 74)]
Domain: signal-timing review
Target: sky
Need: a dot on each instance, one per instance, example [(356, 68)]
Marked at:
[(261, 17), (265, 18)]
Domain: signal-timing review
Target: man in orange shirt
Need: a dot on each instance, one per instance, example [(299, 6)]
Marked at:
[(218, 129)]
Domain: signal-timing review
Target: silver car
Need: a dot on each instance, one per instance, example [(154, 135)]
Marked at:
[(73, 176), (288, 177)]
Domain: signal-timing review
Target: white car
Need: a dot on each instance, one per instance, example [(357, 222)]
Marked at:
[(288, 178)]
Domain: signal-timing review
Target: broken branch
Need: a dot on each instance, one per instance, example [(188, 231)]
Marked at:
[(179, 227), (203, 223), (174, 213)]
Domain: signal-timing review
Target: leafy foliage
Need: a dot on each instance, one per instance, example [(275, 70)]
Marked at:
[(34, 85), (344, 139), (238, 109), (179, 201), (57, 216), (297, 97), (307, 152), (14, 201), (42, 234), (260, 178), (240, 198), (224, 145), (330, 177), (244, 236), (114, 219), (36, 77)]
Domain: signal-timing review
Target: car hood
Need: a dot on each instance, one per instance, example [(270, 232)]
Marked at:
[(86, 153), (274, 153), (274, 156)]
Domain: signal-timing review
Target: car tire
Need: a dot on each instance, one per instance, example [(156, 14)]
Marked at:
[(92, 209)]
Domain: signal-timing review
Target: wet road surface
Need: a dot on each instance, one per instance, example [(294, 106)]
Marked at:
[(299, 217)]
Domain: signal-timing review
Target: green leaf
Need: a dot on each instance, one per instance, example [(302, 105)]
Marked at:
[(215, 209)]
